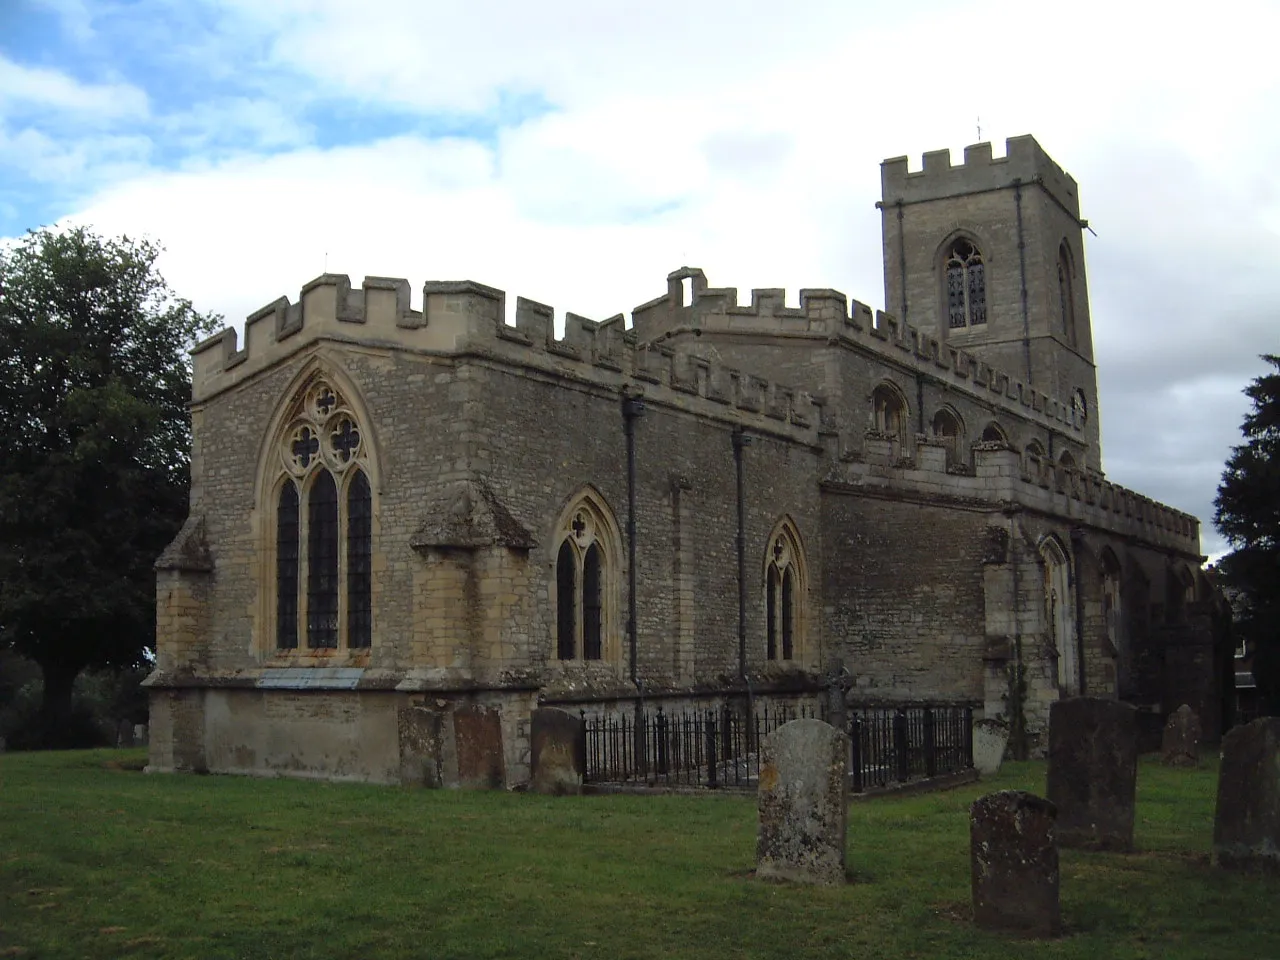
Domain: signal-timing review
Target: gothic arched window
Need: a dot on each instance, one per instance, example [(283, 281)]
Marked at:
[(888, 410), (323, 527), (966, 285), (784, 595), (992, 433), (1066, 295), (1059, 615), (948, 431), (586, 572)]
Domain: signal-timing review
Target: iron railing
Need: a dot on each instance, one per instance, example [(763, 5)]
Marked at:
[(720, 747)]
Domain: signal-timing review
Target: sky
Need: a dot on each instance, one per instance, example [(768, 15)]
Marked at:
[(575, 153)]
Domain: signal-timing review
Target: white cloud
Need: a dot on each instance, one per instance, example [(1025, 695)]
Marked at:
[(45, 89)]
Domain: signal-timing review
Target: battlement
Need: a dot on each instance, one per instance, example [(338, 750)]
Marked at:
[(829, 315), (467, 318), (1024, 162), (1002, 475)]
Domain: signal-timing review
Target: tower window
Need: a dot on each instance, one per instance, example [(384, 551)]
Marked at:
[(966, 286), (1066, 296)]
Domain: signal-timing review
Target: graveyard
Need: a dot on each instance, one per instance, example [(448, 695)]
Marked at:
[(98, 859)]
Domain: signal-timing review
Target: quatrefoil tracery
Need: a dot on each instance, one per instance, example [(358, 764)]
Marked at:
[(324, 431)]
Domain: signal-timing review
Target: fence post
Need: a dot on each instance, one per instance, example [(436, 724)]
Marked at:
[(968, 737), (660, 733), (855, 747), (711, 749), (900, 745), (930, 755)]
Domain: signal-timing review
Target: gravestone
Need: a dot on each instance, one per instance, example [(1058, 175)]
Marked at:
[(141, 735), (1013, 858), (1246, 826), (990, 737), (803, 803), (557, 751), (837, 682), (1180, 746), (124, 733), (1093, 772), (477, 732)]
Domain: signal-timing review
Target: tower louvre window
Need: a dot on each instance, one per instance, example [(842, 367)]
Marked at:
[(966, 279)]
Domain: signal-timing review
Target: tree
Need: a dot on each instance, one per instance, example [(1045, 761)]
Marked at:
[(1247, 512), (94, 456)]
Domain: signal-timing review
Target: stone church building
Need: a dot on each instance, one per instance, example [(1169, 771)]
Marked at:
[(405, 518)]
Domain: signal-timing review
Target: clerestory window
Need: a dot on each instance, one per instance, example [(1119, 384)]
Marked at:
[(323, 528), (966, 285)]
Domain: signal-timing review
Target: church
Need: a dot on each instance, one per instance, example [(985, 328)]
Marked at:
[(412, 526)]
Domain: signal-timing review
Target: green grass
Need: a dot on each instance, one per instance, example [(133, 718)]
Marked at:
[(99, 860)]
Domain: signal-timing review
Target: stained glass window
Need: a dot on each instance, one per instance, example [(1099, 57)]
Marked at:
[(359, 566), (287, 567), (322, 562)]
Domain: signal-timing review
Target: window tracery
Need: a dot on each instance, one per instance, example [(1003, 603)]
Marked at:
[(323, 526), (585, 575), (784, 593), (966, 285)]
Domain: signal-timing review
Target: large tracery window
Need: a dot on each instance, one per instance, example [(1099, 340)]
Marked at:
[(784, 593), (323, 527), (966, 280), (585, 574)]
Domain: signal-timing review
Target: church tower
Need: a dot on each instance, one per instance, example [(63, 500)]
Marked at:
[(988, 256)]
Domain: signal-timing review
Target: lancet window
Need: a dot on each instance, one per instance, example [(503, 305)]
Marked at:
[(948, 431), (784, 593), (323, 527), (586, 571), (966, 285), (1066, 295), (1059, 615)]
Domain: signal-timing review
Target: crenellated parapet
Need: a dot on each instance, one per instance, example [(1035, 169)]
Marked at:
[(1004, 476), (460, 318), (829, 315), (1024, 162)]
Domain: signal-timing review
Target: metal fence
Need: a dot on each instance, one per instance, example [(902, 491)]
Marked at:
[(720, 747)]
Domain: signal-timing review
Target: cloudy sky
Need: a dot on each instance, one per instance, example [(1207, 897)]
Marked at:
[(575, 152)]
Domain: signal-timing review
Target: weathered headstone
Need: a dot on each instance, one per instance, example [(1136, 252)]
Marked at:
[(556, 751), (1246, 827), (1093, 772), (141, 735), (990, 737), (1013, 859), (477, 734), (1180, 746), (803, 803), (124, 733)]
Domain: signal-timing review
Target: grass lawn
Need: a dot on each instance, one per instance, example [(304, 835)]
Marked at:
[(100, 860)]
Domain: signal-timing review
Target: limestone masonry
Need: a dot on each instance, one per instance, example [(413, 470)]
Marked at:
[(409, 527)]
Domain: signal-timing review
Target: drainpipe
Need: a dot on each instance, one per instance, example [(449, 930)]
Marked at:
[(740, 440), (632, 410)]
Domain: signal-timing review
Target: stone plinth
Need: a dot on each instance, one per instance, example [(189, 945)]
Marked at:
[(1246, 827), (990, 737), (1014, 862), (557, 751), (1093, 772), (1180, 746), (804, 803)]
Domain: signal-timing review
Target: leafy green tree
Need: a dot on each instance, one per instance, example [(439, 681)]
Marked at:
[(94, 449), (1247, 512)]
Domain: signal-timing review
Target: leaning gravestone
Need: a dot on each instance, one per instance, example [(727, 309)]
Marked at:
[(1246, 827), (990, 737), (804, 803), (557, 751), (1093, 772), (1013, 859), (1180, 746)]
